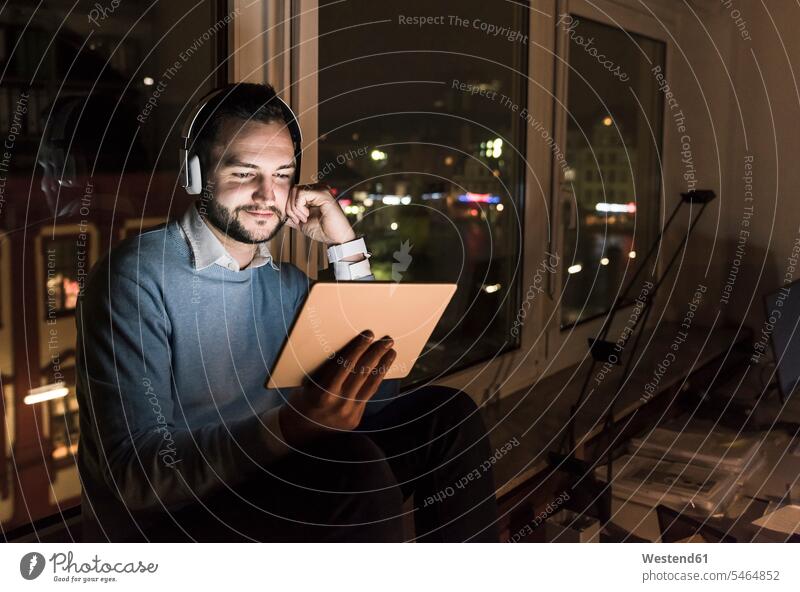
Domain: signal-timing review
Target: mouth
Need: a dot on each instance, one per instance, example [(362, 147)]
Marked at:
[(260, 214)]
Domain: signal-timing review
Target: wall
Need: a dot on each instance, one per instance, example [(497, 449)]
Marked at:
[(737, 86)]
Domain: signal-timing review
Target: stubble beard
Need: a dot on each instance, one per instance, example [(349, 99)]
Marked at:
[(228, 222)]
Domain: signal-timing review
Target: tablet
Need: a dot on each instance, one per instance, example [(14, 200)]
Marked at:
[(333, 313)]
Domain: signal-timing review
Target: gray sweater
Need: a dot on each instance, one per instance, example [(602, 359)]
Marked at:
[(171, 363)]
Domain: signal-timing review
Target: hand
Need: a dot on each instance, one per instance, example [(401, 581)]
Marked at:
[(335, 396), (314, 211)]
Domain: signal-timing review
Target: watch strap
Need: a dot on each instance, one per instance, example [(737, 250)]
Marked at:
[(349, 270), (353, 247)]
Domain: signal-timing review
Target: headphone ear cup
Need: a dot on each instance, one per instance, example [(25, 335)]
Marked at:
[(194, 180)]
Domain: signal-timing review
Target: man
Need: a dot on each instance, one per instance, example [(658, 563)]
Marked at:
[(177, 331)]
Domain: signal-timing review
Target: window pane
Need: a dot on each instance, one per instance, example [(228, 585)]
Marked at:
[(420, 124), (62, 281), (89, 100), (614, 134)]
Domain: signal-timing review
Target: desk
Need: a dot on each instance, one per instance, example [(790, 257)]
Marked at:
[(537, 416), (765, 485)]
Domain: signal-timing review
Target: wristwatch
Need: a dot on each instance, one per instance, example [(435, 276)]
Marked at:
[(350, 270)]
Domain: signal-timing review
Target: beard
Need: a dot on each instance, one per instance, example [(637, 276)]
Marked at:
[(228, 222)]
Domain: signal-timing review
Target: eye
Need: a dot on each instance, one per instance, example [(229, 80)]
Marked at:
[(242, 175), (282, 176)]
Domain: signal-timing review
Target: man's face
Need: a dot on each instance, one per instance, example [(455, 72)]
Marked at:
[(251, 172)]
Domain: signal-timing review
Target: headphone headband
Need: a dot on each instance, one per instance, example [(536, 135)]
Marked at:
[(192, 173)]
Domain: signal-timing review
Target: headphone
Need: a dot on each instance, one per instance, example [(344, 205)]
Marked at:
[(192, 179)]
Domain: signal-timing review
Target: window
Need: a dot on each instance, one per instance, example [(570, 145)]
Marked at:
[(615, 113), (88, 105), (61, 275), (419, 132)]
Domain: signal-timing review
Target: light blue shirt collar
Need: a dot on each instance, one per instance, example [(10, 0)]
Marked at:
[(207, 248)]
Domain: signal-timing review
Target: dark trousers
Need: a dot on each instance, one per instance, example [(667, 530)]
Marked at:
[(430, 443)]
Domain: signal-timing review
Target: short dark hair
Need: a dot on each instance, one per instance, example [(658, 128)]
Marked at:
[(240, 100)]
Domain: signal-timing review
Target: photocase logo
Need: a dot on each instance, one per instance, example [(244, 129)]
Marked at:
[(402, 259), (31, 565)]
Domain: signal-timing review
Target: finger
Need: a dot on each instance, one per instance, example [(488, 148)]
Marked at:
[(288, 209), (335, 361), (291, 221), (370, 386), (291, 208), (365, 367), (299, 208), (303, 214), (342, 364), (315, 196)]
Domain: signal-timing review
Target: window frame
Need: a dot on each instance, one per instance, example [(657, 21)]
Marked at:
[(570, 342), (7, 347), (276, 42)]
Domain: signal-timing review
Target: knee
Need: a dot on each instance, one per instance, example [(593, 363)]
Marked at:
[(459, 404), (454, 408)]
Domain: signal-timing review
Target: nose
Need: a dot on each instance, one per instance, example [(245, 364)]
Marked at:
[(264, 191)]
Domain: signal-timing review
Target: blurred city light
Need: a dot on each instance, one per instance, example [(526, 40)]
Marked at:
[(46, 393), (574, 268), (627, 208)]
